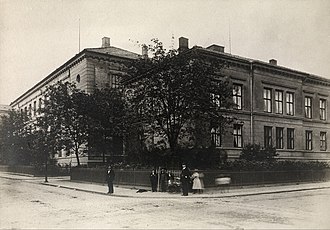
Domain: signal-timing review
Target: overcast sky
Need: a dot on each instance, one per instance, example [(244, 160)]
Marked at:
[(37, 36)]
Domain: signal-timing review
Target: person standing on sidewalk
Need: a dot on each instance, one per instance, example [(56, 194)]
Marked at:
[(110, 178), (153, 180), (163, 180), (185, 179), (197, 183)]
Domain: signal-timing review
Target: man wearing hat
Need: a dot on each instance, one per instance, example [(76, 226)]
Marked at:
[(185, 179), (110, 176)]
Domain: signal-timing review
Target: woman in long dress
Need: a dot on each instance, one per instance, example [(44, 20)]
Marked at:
[(197, 184)]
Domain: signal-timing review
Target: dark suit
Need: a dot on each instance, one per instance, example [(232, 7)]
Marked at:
[(153, 181), (185, 181), (110, 176)]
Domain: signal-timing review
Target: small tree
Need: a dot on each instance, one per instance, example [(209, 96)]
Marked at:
[(254, 152)]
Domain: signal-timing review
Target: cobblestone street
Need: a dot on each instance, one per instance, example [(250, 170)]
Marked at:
[(25, 203)]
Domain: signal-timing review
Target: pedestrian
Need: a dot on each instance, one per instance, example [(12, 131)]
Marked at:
[(163, 180), (153, 180), (110, 176), (197, 184), (185, 179), (201, 177), (224, 182)]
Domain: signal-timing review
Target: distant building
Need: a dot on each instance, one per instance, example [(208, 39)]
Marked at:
[(4, 110), (275, 105)]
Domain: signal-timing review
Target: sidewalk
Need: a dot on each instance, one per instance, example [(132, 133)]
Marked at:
[(130, 191)]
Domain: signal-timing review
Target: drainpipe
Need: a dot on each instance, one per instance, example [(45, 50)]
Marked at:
[(251, 102)]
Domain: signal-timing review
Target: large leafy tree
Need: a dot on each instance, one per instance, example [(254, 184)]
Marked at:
[(16, 139), (173, 92), (63, 118)]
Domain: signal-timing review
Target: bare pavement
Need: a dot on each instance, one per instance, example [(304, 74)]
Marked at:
[(64, 182)]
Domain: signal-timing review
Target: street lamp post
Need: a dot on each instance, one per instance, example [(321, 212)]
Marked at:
[(46, 152), (46, 178), (46, 162)]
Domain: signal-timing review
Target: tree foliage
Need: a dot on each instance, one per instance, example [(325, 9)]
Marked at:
[(171, 90), (16, 139), (254, 152), (108, 123), (63, 117)]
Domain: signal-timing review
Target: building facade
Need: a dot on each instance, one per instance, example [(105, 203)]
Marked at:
[(90, 68), (275, 106)]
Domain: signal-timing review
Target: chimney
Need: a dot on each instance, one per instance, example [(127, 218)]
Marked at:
[(144, 51), (183, 44), (273, 61), (105, 42), (216, 48)]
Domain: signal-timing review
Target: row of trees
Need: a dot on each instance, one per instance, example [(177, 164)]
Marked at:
[(69, 120), (170, 95)]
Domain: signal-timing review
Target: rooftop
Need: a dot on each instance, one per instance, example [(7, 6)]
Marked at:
[(114, 51)]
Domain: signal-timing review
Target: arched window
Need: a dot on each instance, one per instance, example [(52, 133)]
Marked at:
[(78, 78), (40, 104)]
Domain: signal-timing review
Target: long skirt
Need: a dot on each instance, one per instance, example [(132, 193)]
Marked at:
[(197, 184)]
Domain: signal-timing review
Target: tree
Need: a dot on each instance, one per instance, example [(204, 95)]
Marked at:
[(16, 139), (171, 92), (63, 118), (107, 111)]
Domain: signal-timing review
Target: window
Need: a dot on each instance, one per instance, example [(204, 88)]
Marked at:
[(323, 141), (78, 78), (34, 108), (279, 138), (216, 100), (114, 81), (238, 138), (278, 101), (237, 96), (216, 136), (308, 107), (267, 100), (323, 109), (40, 104), (290, 137), (268, 136), (309, 140), (289, 103), (30, 109)]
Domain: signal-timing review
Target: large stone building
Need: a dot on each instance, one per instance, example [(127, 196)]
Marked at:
[(90, 68), (275, 105)]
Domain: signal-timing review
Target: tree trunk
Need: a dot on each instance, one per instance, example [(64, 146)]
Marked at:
[(77, 154)]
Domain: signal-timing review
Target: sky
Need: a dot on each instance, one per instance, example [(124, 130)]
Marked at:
[(37, 36)]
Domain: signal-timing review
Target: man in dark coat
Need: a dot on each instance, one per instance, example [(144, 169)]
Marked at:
[(185, 179), (110, 178), (163, 180), (153, 180)]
